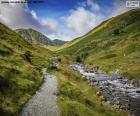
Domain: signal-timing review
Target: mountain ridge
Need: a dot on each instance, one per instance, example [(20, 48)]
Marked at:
[(36, 37), (33, 36)]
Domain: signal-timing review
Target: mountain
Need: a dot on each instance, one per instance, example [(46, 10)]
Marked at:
[(34, 36), (58, 42), (20, 65), (114, 45)]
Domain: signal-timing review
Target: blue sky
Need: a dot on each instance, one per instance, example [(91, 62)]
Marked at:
[(58, 8), (61, 19)]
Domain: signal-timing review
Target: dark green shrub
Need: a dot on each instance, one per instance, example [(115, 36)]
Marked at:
[(116, 32), (27, 56), (78, 59)]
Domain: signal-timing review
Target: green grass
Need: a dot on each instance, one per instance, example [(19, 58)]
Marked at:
[(18, 82), (77, 98), (114, 45), (19, 79)]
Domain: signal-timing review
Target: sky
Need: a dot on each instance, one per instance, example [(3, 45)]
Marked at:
[(60, 19)]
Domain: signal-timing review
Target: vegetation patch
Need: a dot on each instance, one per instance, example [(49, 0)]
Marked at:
[(77, 98)]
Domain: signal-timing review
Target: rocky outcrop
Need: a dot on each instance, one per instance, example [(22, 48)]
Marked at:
[(33, 36), (134, 106)]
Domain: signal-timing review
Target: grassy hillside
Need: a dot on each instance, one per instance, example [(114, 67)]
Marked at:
[(79, 39), (77, 98), (20, 64), (34, 36), (114, 45)]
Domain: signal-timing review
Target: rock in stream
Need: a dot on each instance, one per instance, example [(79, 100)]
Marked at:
[(117, 90)]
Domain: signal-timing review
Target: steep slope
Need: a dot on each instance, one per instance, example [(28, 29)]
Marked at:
[(34, 36), (114, 45), (20, 65)]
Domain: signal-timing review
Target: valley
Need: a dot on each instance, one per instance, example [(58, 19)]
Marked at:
[(114, 45), (97, 74)]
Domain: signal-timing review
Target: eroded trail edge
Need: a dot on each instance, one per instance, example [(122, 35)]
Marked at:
[(44, 102)]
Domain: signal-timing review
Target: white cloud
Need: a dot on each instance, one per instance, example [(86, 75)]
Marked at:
[(19, 16), (80, 21), (120, 7), (76, 23), (62, 35), (34, 15), (94, 6), (49, 23)]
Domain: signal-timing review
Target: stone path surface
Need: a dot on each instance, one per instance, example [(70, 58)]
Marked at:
[(44, 102)]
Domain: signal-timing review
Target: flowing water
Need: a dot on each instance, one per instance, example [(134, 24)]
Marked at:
[(116, 89)]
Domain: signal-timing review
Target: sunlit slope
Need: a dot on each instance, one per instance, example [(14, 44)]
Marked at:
[(77, 40), (20, 65), (114, 45)]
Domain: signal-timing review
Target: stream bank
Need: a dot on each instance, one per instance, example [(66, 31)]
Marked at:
[(117, 90)]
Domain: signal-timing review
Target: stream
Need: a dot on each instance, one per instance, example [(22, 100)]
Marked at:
[(116, 90), (44, 102)]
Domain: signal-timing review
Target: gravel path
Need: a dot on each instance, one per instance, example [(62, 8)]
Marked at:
[(44, 102)]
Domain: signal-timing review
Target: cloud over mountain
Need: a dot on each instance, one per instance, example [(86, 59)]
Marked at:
[(66, 21), (20, 16)]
